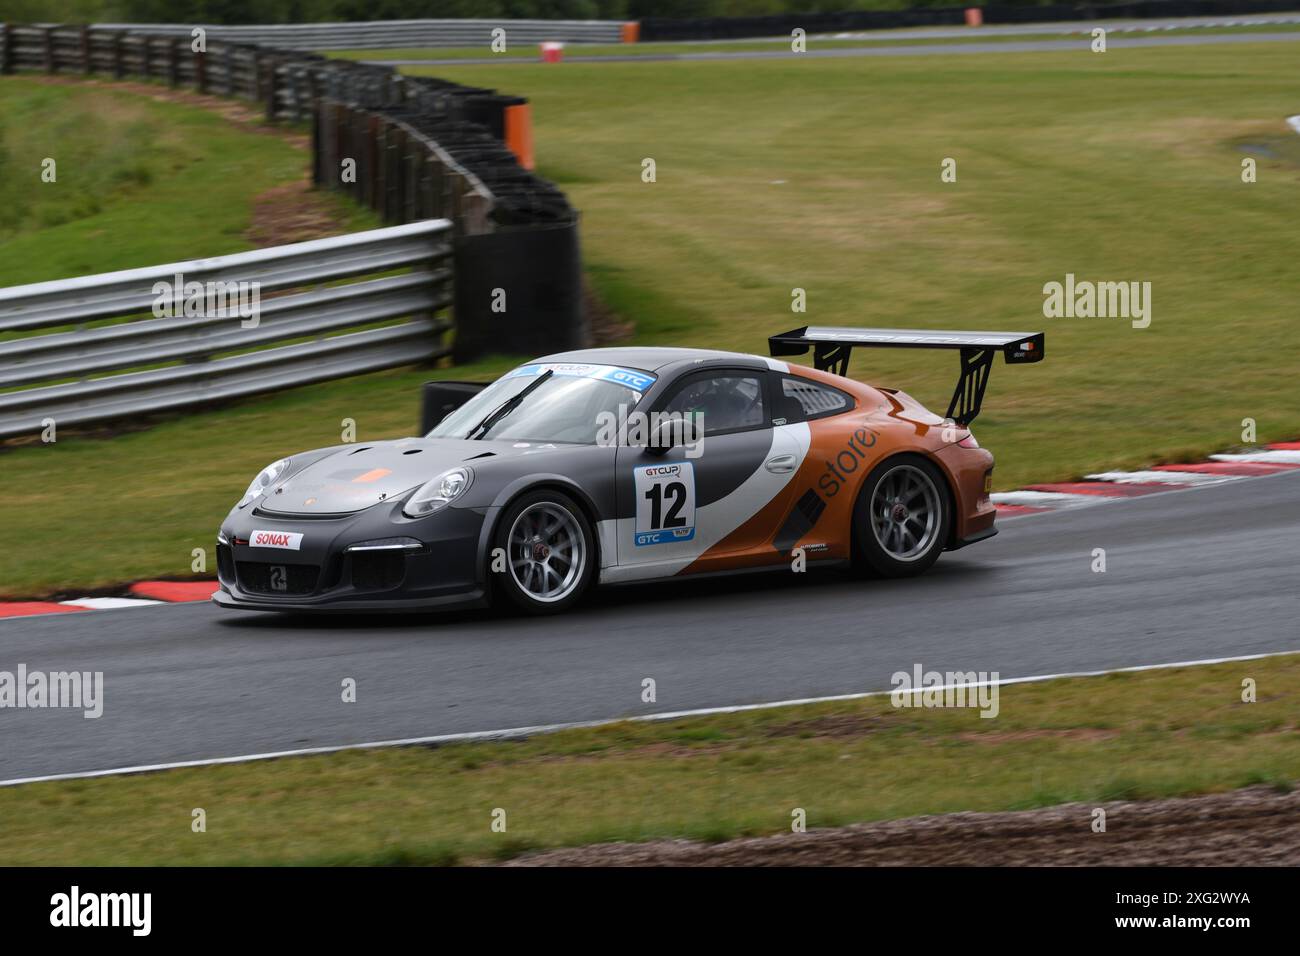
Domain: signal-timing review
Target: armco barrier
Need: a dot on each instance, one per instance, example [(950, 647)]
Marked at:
[(386, 320), (411, 148), (288, 82), (391, 34), (422, 146), (477, 170)]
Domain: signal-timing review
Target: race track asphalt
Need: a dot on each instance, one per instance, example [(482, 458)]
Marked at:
[(1201, 573)]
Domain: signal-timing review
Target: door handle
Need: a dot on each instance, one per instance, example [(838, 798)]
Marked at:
[(781, 464)]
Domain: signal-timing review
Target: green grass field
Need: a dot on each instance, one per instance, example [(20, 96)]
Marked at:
[(822, 175), (825, 175), (140, 181), (1120, 737)]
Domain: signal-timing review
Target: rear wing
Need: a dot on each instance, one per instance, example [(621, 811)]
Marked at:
[(833, 346)]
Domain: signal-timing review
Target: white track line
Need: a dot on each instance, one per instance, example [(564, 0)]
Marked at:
[(515, 733), (104, 603)]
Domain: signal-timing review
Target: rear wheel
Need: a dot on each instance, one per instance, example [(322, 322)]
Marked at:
[(902, 517), (550, 555)]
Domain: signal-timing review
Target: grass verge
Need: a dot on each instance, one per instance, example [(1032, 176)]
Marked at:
[(1123, 736)]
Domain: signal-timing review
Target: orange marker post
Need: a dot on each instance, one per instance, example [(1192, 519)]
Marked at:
[(519, 133)]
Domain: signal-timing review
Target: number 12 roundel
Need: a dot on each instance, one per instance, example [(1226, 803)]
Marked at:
[(665, 503)]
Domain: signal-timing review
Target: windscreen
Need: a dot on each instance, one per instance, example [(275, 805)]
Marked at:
[(570, 406)]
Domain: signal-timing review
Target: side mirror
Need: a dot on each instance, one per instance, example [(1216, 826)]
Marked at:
[(663, 437), (670, 433)]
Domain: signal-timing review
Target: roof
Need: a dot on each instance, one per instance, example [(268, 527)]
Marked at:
[(647, 358)]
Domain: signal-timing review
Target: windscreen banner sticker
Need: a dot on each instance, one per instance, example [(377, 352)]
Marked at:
[(634, 379), (285, 540), (665, 503)]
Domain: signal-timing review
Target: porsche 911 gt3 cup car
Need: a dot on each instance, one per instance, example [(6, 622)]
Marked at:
[(626, 464)]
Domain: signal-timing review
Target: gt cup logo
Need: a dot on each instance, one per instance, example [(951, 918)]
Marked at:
[(665, 503), (285, 540)]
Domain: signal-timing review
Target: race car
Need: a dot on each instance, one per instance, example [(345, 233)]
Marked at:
[(620, 465)]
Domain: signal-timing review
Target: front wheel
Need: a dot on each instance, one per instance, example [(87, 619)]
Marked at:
[(902, 517), (550, 556)]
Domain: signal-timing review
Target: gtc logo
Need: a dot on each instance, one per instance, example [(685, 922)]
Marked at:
[(287, 540)]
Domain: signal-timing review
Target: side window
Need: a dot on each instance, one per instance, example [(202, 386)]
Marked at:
[(725, 402), (800, 400)]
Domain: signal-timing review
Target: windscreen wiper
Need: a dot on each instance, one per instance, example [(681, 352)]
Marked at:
[(508, 406)]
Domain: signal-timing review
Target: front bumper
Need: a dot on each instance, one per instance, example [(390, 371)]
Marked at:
[(239, 600), (322, 574)]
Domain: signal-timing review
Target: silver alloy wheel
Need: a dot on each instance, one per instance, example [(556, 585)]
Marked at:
[(906, 512), (547, 552)]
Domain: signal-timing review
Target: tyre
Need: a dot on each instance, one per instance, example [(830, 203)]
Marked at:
[(550, 552), (902, 518)]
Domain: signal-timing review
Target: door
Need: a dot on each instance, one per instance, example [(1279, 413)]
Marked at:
[(716, 503)]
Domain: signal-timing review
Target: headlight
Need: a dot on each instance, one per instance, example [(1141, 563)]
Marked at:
[(437, 494), (263, 480)]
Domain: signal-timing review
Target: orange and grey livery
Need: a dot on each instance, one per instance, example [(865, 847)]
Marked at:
[(549, 480)]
